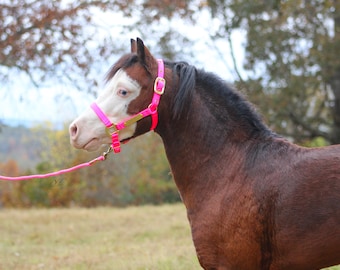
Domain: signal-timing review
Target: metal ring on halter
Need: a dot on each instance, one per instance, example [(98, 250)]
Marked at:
[(153, 108)]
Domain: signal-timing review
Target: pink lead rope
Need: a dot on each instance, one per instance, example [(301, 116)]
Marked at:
[(112, 129), (39, 176)]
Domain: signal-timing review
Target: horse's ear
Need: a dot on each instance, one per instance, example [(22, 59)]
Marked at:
[(141, 49), (133, 46), (144, 55)]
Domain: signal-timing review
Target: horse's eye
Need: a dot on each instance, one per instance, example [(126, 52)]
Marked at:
[(123, 92)]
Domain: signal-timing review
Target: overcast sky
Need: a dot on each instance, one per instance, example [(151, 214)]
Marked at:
[(22, 102)]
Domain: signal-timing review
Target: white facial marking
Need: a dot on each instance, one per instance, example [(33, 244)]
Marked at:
[(88, 131)]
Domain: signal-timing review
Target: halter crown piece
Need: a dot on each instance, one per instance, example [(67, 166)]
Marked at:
[(113, 129)]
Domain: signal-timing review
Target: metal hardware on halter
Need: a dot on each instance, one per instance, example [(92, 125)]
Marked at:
[(159, 85), (133, 120), (110, 130), (113, 129), (108, 151)]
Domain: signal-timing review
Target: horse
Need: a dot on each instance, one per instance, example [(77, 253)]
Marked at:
[(254, 200)]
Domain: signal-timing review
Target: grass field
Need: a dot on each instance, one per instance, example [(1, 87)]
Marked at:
[(148, 238)]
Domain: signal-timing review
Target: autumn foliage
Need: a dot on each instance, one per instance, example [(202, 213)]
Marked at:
[(138, 175)]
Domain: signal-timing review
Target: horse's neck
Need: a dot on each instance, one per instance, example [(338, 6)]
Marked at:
[(199, 152)]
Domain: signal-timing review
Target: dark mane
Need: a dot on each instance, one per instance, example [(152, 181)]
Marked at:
[(224, 102), (229, 105), (185, 75)]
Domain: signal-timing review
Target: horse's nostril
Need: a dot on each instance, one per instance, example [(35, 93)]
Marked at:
[(73, 130)]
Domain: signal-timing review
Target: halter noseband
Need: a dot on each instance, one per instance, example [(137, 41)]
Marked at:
[(113, 129)]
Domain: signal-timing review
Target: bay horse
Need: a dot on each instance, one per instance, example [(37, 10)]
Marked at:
[(254, 200)]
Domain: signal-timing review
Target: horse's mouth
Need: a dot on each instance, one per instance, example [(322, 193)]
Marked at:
[(124, 141), (95, 143), (92, 145)]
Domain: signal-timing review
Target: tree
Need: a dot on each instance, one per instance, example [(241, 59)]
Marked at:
[(8, 192), (292, 58), (64, 39), (47, 39), (139, 175), (10, 168)]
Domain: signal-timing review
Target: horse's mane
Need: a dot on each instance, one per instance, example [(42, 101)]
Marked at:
[(185, 76), (224, 102)]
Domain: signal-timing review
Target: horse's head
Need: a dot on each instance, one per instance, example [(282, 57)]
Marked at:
[(129, 90)]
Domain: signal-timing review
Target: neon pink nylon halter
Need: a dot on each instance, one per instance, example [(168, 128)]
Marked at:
[(159, 87), (151, 110)]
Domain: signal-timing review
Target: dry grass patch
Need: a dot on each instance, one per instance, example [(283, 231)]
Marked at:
[(149, 237)]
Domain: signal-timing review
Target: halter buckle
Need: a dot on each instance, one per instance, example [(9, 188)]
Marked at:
[(159, 85), (110, 130)]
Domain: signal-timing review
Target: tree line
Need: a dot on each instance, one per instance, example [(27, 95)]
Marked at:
[(138, 175), (291, 68)]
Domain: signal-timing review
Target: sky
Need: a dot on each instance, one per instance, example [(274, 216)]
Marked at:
[(22, 103)]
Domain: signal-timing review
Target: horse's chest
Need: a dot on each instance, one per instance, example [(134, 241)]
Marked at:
[(227, 238)]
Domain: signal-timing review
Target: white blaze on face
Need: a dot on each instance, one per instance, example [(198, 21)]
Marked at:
[(88, 131)]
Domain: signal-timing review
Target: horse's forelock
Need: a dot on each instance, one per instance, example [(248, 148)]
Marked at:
[(123, 63)]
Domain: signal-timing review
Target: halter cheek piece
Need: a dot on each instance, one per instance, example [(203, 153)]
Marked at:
[(113, 129)]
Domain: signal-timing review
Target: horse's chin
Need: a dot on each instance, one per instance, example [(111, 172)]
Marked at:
[(95, 143), (92, 145)]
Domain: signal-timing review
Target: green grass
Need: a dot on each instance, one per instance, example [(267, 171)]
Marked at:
[(136, 238)]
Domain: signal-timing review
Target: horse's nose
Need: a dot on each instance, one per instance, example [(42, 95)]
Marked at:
[(73, 130)]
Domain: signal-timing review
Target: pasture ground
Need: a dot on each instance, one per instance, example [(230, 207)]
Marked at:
[(147, 237)]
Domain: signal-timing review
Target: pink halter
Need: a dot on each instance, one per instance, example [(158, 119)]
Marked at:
[(113, 129)]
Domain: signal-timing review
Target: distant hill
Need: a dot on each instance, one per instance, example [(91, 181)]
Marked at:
[(21, 145), (19, 122)]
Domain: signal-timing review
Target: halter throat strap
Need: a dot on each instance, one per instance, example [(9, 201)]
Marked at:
[(113, 129)]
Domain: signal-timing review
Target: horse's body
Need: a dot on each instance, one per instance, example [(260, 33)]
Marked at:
[(253, 199)]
